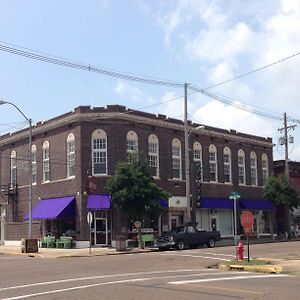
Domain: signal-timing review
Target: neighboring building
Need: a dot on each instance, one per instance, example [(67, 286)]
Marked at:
[(74, 154), (294, 179)]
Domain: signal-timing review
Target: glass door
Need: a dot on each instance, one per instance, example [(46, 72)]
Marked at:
[(101, 233)]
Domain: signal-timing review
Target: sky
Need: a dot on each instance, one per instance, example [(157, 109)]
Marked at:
[(200, 42)]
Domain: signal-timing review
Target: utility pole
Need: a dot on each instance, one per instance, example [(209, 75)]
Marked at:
[(187, 158)]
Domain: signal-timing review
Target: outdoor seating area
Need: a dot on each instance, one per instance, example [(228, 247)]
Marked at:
[(64, 242)]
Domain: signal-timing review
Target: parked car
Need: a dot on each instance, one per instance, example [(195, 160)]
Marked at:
[(187, 236)]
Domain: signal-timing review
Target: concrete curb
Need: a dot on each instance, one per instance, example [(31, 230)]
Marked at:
[(271, 269)]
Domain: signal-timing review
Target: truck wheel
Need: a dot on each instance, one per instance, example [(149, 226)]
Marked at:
[(180, 245), (211, 243)]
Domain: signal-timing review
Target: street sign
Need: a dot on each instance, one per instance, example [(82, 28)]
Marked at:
[(89, 217), (234, 195), (247, 220)]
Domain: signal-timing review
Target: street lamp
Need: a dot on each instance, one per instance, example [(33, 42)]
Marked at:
[(30, 168)]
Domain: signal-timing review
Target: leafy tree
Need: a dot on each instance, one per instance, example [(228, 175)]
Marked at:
[(280, 192), (134, 190)]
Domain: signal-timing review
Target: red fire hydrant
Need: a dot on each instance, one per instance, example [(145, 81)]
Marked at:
[(240, 251)]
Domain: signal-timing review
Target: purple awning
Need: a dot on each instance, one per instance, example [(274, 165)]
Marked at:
[(98, 202), (225, 203), (256, 204), (163, 203), (55, 208)]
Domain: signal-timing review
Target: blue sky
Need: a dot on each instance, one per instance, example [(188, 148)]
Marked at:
[(202, 42)]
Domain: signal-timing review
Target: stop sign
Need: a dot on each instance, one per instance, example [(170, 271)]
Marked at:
[(247, 219)]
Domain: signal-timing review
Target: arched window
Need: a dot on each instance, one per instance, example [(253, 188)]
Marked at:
[(132, 145), (253, 166), (99, 152), (241, 167), (46, 161), (70, 155), (153, 154), (33, 163), (227, 164), (213, 165), (197, 155), (13, 168), (176, 159), (265, 168)]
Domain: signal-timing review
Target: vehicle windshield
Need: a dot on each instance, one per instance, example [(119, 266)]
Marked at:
[(177, 230)]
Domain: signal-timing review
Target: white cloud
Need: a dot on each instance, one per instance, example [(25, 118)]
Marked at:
[(130, 92), (174, 106)]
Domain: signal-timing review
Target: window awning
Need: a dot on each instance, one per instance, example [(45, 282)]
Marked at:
[(256, 204), (163, 203), (225, 203), (98, 202), (55, 208)]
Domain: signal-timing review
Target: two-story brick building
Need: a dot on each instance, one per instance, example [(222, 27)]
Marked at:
[(74, 154)]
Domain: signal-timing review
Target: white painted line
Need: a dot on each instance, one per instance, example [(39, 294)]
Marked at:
[(220, 254), (199, 256), (101, 284), (226, 278), (106, 276)]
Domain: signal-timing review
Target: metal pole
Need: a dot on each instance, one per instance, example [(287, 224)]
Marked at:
[(90, 248), (187, 158), (30, 182), (235, 231), (286, 147)]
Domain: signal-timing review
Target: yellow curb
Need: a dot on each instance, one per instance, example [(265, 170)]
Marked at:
[(262, 268)]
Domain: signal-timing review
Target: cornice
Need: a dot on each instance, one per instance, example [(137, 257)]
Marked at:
[(98, 117)]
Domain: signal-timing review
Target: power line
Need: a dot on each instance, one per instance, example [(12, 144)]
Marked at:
[(251, 72)]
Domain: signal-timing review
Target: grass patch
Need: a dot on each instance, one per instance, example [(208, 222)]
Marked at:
[(252, 262)]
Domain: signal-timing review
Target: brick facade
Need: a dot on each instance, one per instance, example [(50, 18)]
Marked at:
[(116, 121)]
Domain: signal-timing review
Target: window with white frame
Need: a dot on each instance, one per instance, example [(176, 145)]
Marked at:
[(213, 165), (132, 145), (253, 167), (176, 159), (99, 152), (70, 155), (33, 164), (197, 155), (265, 168), (46, 161), (227, 164), (241, 167), (13, 168), (153, 154)]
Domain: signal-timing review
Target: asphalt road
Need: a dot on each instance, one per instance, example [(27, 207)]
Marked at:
[(167, 275)]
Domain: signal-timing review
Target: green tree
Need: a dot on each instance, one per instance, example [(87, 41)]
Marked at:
[(134, 190), (281, 192)]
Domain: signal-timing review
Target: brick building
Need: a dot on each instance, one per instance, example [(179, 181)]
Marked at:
[(74, 154), (294, 179)]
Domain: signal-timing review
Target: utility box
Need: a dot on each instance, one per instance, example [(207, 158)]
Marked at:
[(29, 246)]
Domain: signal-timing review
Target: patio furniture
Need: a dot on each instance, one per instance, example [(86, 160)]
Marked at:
[(148, 238), (65, 242), (48, 242)]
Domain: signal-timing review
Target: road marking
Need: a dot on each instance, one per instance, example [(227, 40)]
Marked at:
[(210, 253), (226, 278), (197, 256), (101, 284), (209, 271)]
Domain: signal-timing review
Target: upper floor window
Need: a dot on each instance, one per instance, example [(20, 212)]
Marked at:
[(13, 168), (70, 155), (99, 152), (176, 159), (46, 161), (227, 164), (33, 164), (213, 166), (197, 155), (253, 166), (241, 167), (265, 168), (132, 145), (153, 154)]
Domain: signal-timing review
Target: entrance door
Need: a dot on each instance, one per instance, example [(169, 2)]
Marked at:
[(101, 236), (176, 221)]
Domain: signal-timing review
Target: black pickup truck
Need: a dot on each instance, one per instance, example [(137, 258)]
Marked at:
[(187, 236)]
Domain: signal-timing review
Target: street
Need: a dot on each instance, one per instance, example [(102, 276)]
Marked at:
[(188, 274)]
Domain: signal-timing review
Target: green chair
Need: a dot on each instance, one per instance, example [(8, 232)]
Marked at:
[(148, 238), (65, 242), (48, 242)]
